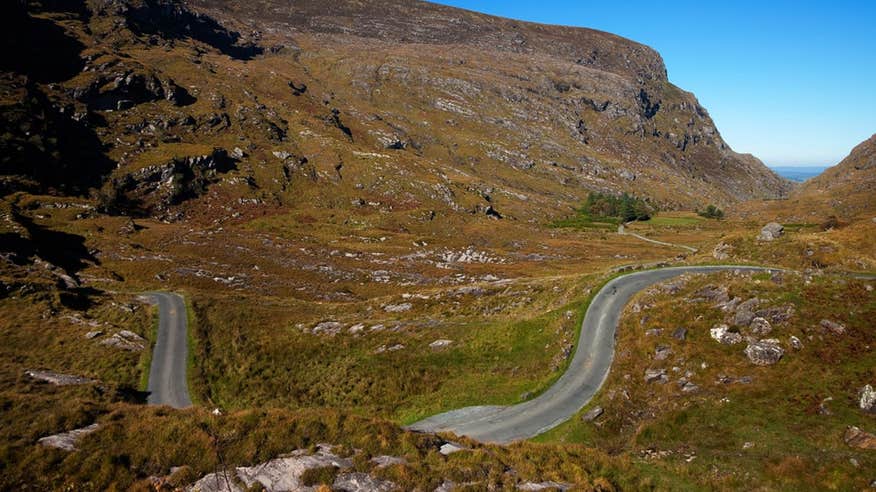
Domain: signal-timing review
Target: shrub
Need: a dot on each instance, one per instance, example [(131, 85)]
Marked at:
[(711, 212)]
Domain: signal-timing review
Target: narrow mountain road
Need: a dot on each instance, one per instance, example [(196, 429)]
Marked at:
[(623, 232), (583, 378), (167, 375)]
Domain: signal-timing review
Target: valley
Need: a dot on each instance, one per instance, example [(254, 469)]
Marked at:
[(270, 245)]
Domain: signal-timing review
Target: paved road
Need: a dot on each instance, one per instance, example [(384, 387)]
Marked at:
[(586, 373), (167, 375)]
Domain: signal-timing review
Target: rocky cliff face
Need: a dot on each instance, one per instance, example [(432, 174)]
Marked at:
[(402, 104)]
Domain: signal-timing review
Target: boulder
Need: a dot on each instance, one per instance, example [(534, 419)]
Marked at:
[(713, 293), (58, 379), (550, 485), (770, 232), (662, 352), (437, 344), (745, 312), (868, 399), (760, 326), (680, 333), (652, 375), (278, 474), (126, 340), (361, 482), (795, 343), (397, 308), (764, 352), (327, 328), (857, 438), (68, 440), (776, 314), (833, 326), (592, 414), (722, 334), (449, 448), (383, 461), (722, 251)]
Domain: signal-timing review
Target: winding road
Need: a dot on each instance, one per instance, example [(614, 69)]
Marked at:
[(167, 374), (586, 373), (621, 230)]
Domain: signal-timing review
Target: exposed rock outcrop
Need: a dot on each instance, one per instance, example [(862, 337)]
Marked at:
[(771, 232), (764, 352)]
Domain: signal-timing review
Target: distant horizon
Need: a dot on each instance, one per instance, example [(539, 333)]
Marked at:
[(788, 82)]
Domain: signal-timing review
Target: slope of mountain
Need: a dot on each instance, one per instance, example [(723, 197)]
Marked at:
[(469, 112), (848, 189)]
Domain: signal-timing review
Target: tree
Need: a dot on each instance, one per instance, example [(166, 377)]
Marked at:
[(711, 212)]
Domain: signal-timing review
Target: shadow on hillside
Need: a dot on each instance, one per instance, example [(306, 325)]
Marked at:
[(56, 151), (39, 48), (171, 20)]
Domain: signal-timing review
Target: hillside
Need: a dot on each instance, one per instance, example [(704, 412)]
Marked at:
[(372, 210)]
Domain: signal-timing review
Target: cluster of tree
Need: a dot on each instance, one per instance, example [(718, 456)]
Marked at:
[(711, 212), (625, 207)]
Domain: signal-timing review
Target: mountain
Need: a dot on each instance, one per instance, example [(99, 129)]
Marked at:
[(849, 188), (316, 105)]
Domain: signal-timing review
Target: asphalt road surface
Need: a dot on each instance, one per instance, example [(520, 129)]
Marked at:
[(583, 378), (167, 375)]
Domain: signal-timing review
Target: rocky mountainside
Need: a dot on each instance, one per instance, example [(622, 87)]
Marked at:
[(850, 186), (391, 106)]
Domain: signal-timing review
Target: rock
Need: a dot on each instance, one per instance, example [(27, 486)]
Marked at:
[(713, 293), (397, 308), (722, 251), (383, 461), (822, 407), (58, 379), (653, 332), (776, 314), (449, 448), (533, 486), (68, 440), (93, 334), (330, 328), (680, 333), (357, 328), (722, 334), (764, 352), (361, 482), (745, 312), (857, 438), (392, 348), (437, 344), (868, 399), (760, 326), (689, 387), (770, 232), (652, 375), (795, 343), (278, 474), (446, 486), (216, 482), (282, 154), (592, 414), (662, 352), (833, 327), (126, 340)]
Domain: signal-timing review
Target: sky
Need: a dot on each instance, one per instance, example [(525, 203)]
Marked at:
[(792, 82)]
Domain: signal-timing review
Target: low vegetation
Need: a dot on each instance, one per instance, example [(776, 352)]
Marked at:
[(711, 212)]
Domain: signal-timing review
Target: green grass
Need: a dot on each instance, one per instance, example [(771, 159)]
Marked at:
[(584, 221), (776, 411)]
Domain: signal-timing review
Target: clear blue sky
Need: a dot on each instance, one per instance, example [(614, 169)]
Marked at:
[(792, 82)]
